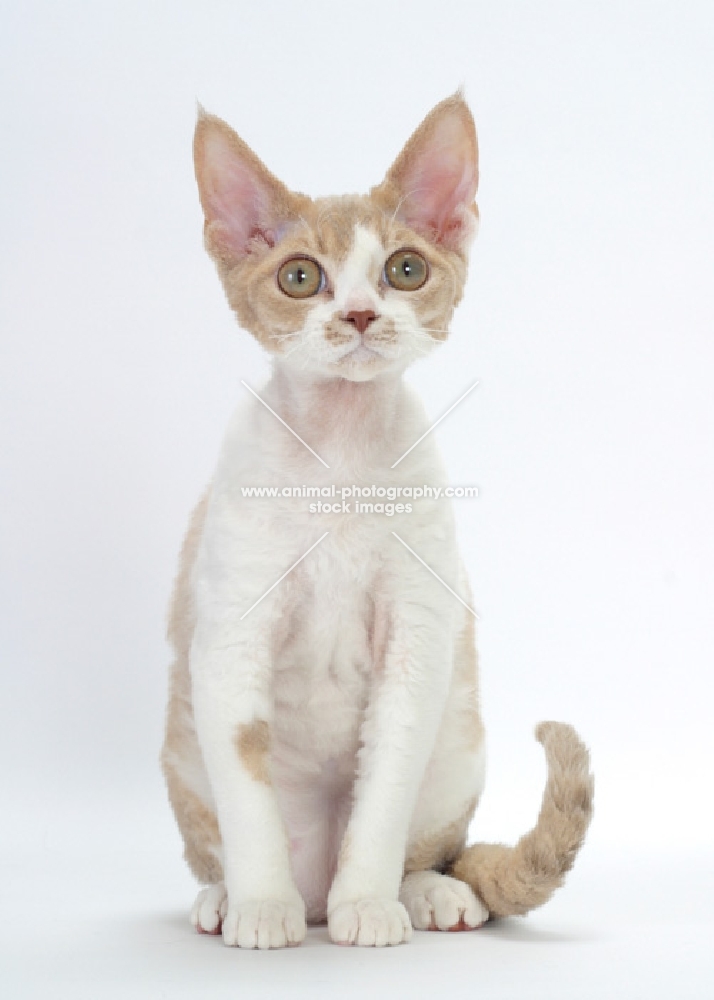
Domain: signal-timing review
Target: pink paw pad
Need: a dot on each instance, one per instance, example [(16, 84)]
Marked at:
[(461, 926)]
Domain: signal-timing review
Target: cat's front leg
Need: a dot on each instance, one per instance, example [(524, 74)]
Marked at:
[(397, 737), (230, 671)]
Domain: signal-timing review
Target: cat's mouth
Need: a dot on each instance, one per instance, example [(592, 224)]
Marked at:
[(360, 364)]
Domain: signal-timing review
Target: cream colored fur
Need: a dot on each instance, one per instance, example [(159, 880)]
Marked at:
[(324, 749)]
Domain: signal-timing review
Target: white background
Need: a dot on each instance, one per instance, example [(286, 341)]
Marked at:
[(589, 322)]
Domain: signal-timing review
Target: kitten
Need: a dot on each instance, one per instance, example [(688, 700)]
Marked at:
[(324, 748)]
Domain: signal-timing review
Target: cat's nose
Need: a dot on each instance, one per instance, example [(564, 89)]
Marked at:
[(360, 317)]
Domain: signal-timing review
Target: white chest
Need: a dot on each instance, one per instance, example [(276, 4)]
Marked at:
[(323, 669)]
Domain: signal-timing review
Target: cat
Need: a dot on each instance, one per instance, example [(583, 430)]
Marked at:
[(324, 748)]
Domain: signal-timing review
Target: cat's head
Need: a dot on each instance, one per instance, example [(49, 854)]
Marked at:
[(353, 286)]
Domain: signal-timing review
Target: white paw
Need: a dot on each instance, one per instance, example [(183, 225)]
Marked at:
[(438, 902), (265, 923), (369, 922), (210, 909)]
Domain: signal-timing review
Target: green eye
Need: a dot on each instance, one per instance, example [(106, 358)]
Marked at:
[(300, 277), (406, 270)]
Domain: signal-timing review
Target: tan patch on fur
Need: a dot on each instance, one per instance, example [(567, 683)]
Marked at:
[(336, 332), (385, 333), (442, 848), (180, 729), (197, 823), (199, 829), (253, 745), (514, 880), (181, 613), (263, 309)]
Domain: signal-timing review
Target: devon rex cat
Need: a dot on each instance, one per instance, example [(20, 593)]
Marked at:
[(324, 750)]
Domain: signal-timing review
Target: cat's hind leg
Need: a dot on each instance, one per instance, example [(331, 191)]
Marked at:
[(437, 902), (210, 909)]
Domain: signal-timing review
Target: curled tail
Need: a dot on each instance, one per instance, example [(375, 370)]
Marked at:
[(514, 880)]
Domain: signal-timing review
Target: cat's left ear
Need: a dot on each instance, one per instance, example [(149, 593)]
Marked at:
[(243, 203), (432, 184)]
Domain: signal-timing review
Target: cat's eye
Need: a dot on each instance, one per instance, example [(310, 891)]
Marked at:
[(300, 277), (406, 270)]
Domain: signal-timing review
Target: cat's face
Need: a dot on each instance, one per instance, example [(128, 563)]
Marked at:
[(347, 287)]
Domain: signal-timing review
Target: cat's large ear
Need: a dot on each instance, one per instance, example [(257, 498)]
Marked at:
[(432, 184), (243, 203)]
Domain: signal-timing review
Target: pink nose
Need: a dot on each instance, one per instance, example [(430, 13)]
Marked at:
[(360, 317)]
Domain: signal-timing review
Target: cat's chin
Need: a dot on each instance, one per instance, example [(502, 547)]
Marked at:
[(361, 365)]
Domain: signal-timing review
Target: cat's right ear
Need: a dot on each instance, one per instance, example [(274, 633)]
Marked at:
[(243, 203)]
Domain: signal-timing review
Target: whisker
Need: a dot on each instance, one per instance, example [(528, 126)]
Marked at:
[(284, 336), (423, 350), (308, 335), (292, 349)]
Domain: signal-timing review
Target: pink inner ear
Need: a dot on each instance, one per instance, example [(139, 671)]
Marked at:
[(237, 205), (440, 184)]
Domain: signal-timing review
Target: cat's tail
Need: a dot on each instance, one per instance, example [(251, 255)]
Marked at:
[(514, 880)]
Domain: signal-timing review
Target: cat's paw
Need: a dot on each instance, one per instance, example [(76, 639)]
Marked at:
[(264, 923), (210, 909), (369, 922), (439, 903)]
